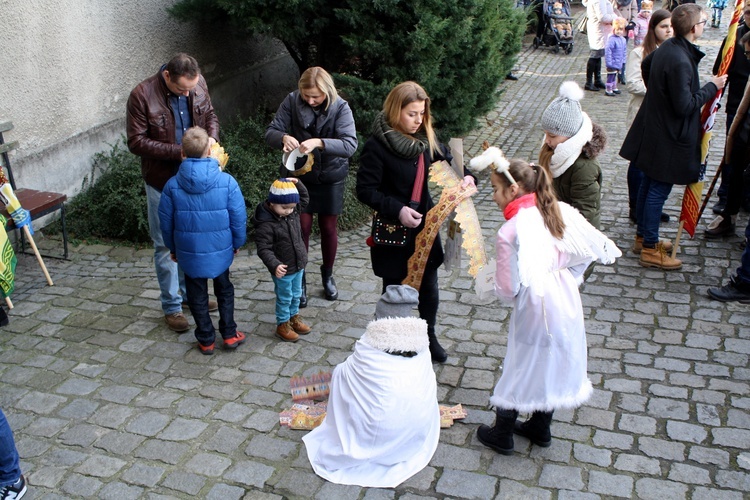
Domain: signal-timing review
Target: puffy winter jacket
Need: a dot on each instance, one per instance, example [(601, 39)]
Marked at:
[(279, 239), (203, 217)]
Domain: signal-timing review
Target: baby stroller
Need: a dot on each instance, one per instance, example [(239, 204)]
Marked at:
[(558, 27)]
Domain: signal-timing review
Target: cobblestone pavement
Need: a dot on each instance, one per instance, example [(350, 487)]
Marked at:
[(106, 402)]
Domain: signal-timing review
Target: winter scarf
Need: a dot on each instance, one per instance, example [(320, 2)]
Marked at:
[(402, 145), (525, 201), (566, 153)]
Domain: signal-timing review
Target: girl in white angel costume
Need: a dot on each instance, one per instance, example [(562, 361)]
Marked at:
[(542, 252), (383, 421)]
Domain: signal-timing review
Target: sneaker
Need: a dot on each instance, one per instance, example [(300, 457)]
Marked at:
[(236, 341), (14, 491), (284, 332), (658, 258), (720, 226), (177, 322), (731, 292), (617, 91), (299, 326), (212, 306), (719, 207), (638, 245), (609, 93), (206, 349)]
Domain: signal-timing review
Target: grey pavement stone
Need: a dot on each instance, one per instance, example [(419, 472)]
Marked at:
[(143, 475), (735, 438), (120, 491), (637, 464), (100, 466), (681, 431), (661, 448), (251, 473), (464, 484), (338, 492), (456, 457), (184, 482), (656, 489), (223, 491), (558, 476), (589, 454), (610, 484), (182, 429), (271, 448), (149, 423), (165, 451), (701, 493), (299, 483), (120, 443), (81, 486), (511, 489), (604, 439), (690, 474)]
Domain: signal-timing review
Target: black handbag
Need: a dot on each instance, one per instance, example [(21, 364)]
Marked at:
[(391, 232), (388, 232)]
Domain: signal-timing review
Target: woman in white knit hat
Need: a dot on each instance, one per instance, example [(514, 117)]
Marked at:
[(571, 146)]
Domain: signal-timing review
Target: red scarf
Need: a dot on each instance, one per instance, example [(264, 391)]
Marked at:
[(525, 201)]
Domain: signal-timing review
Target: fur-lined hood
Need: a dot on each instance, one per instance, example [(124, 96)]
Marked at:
[(598, 142), (397, 335)]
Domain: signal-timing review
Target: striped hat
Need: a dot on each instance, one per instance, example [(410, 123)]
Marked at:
[(283, 192)]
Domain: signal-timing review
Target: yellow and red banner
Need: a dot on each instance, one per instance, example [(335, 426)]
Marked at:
[(693, 192)]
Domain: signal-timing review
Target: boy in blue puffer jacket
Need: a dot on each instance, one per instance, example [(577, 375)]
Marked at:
[(203, 221)]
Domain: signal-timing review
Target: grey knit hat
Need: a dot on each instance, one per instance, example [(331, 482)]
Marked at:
[(564, 116), (398, 301)]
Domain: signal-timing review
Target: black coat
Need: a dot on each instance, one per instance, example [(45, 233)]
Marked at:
[(664, 139), (279, 239), (738, 73), (384, 183)]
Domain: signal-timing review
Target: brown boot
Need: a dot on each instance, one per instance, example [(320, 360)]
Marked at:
[(177, 322), (658, 257), (638, 245), (298, 325), (284, 332)]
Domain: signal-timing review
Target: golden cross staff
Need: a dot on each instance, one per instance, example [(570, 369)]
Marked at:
[(21, 218)]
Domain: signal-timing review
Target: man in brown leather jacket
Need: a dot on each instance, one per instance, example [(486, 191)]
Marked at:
[(160, 109)]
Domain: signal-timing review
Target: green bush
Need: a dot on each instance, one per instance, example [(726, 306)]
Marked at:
[(458, 50), (112, 201)]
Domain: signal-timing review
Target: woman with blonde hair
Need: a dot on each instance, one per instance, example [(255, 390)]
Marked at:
[(392, 180), (316, 120)]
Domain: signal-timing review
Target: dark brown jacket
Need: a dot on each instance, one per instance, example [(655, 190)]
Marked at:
[(151, 127), (279, 239)]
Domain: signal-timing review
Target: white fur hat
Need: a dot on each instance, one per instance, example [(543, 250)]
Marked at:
[(397, 335)]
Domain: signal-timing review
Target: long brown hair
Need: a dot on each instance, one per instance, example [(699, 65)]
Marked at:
[(535, 179), (401, 96), (649, 42)]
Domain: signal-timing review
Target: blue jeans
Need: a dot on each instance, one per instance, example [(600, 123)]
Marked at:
[(743, 272), (288, 291), (10, 469), (197, 293), (170, 276), (635, 175), (651, 198)]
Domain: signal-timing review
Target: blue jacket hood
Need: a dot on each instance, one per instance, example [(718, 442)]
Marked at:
[(198, 175)]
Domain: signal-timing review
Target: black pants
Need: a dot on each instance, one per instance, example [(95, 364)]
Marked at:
[(429, 296), (197, 292), (736, 187)]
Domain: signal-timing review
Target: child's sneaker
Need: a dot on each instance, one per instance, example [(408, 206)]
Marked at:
[(285, 332), (236, 341), (616, 91), (15, 490), (298, 325), (609, 93), (206, 350)]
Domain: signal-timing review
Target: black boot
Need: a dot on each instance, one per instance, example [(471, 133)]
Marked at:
[(436, 350), (500, 436), (536, 428), (329, 285), (598, 74), (590, 76), (303, 297)]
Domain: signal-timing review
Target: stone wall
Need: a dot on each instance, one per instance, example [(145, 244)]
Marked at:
[(69, 66)]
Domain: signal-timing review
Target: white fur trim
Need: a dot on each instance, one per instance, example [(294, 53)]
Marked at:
[(550, 404), (397, 334)]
